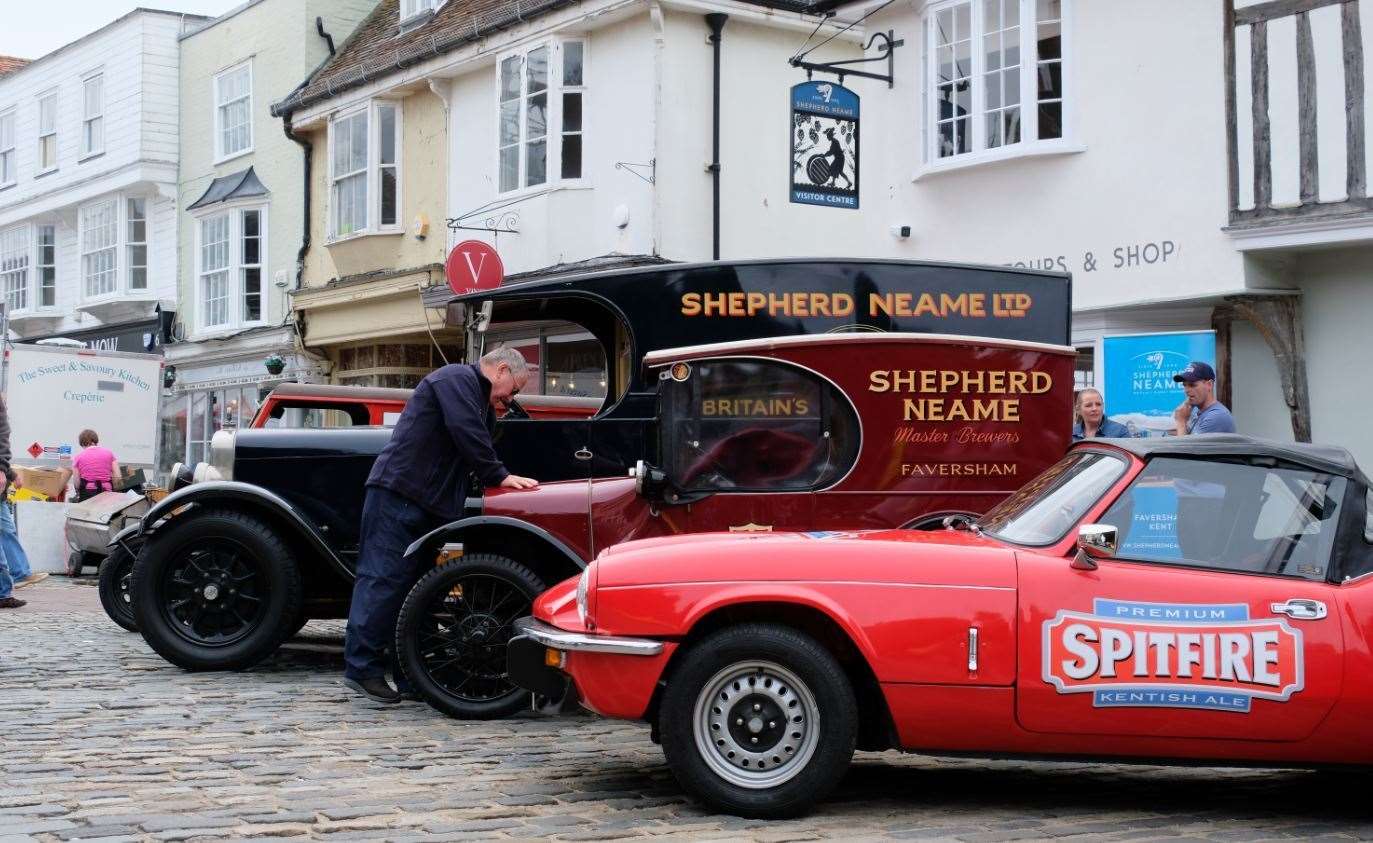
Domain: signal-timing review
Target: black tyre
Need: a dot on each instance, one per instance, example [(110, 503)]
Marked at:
[(453, 631), (758, 720), (216, 590), (116, 577)]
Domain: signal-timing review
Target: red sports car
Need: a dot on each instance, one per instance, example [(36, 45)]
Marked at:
[(1199, 598)]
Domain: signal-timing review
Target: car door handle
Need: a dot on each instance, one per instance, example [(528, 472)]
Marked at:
[(583, 454), (1301, 609)]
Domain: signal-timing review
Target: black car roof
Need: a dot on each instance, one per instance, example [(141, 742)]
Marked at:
[(593, 280), (1330, 459)]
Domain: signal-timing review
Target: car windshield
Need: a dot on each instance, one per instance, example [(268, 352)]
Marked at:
[(1045, 509)]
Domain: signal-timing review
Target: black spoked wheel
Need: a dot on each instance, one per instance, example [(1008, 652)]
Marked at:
[(116, 596), (212, 593), (454, 630), (216, 590)]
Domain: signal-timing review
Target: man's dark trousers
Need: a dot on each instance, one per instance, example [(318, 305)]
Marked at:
[(390, 522)]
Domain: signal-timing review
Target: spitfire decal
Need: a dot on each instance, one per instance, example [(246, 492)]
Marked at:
[(1172, 655)]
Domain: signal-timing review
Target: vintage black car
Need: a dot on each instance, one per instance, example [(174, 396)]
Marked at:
[(230, 566)]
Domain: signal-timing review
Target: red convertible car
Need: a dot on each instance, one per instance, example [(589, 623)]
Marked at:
[(1199, 598)]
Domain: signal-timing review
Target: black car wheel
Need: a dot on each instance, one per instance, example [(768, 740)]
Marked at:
[(758, 720), (453, 632), (216, 590), (116, 577)]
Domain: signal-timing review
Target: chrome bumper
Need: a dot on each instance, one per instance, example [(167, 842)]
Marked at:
[(580, 642)]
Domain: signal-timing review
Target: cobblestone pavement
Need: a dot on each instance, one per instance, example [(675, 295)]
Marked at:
[(103, 739)]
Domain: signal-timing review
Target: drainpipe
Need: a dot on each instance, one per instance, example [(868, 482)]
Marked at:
[(716, 21)]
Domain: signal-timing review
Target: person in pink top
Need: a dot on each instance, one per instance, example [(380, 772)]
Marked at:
[(95, 467)]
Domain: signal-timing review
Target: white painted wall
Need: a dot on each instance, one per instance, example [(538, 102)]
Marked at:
[(279, 38), (137, 56), (1336, 304)]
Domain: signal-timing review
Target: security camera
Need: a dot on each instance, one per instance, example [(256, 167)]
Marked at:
[(902, 231)]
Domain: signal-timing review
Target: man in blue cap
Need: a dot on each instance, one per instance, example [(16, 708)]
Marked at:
[(1201, 412)]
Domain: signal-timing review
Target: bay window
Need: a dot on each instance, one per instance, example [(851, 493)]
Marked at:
[(113, 238), (231, 248), (47, 266), (99, 233), (993, 76), (541, 94), (47, 133), (93, 116), (14, 267), (365, 170), (136, 242), (233, 90), (8, 175)]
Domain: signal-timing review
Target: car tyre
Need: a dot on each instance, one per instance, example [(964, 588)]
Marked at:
[(116, 596), (453, 630), (766, 682), (216, 590)]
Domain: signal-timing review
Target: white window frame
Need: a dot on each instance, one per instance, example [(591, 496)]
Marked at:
[(52, 133), (553, 131), (129, 243), (1029, 144), (92, 122), (39, 265), (23, 235), (9, 156), (372, 222), (220, 153), (84, 250), (120, 246), (234, 269)]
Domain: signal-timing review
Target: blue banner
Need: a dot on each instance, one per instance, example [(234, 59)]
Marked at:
[(1138, 377), (824, 145)]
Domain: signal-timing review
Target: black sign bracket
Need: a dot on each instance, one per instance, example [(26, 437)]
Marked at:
[(885, 52)]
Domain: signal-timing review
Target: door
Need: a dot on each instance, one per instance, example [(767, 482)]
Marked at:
[(749, 441), (1214, 620)]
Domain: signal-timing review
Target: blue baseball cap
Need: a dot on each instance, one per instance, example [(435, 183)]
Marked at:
[(1195, 371)]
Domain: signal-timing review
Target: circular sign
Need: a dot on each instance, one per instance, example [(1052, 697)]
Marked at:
[(473, 265)]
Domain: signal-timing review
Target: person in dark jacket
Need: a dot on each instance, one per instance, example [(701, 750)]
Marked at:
[(419, 482)]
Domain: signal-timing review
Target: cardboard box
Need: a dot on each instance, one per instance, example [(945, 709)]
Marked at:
[(45, 481)]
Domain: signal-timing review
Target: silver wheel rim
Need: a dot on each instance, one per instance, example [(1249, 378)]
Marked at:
[(756, 724)]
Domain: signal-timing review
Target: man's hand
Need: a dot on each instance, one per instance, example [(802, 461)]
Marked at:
[(1183, 412), (4, 482), (514, 481)]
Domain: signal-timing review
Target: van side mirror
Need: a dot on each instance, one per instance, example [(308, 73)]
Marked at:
[(1095, 541)]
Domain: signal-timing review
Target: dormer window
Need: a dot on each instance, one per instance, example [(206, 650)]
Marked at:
[(415, 12)]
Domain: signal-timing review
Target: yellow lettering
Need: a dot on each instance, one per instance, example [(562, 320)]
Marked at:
[(819, 304), (756, 302), (691, 304), (1010, 410), (715, 304), (878, 381), (913, 410), (977, 304), (843, 304), (1017, 381), (879, 302), (1041, 382)]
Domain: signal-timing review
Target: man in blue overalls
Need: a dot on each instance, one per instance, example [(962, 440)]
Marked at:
[(419, 482)]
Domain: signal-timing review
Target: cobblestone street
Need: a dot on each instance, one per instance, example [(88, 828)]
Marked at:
[(105, 740)]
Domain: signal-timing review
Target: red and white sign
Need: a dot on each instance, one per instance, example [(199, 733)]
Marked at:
[(474, 265), (1184, 656)]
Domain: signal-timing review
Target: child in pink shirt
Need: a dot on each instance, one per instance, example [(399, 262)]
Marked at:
[(95, 467)]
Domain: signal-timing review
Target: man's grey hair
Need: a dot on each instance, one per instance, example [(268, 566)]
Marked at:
[(511, 357)]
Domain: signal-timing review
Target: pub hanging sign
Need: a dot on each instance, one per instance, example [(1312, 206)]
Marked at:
[(824, 145)]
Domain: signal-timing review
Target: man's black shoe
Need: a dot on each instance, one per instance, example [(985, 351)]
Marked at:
[(11, 603), (375, 689)]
